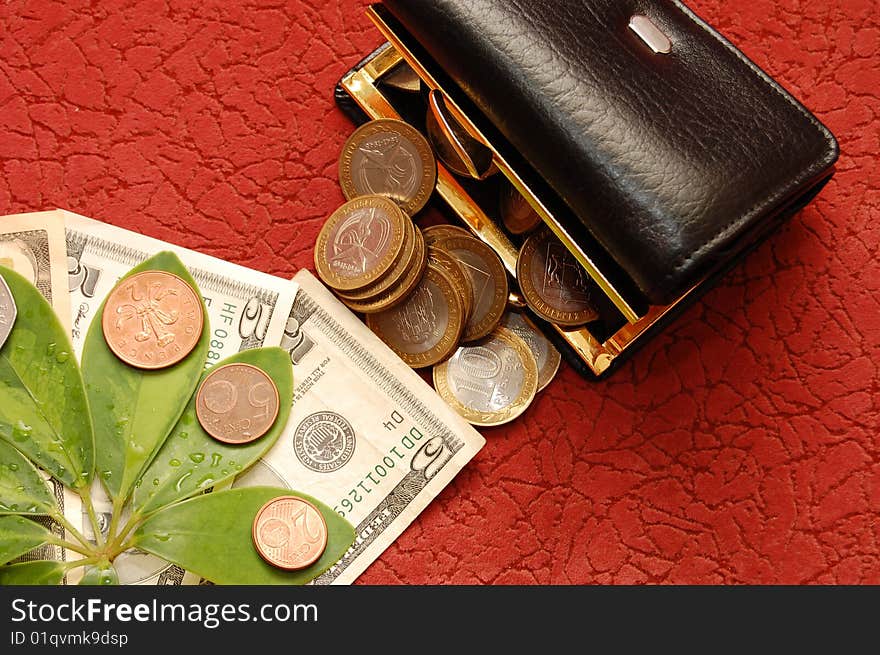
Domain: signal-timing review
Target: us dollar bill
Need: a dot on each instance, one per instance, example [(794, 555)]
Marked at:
[(245, 309), (367, 435), (33, 246)]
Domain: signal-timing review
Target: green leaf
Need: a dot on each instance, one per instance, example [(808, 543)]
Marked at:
[(43, 408), (22, 489), (210, 535), (101, 576), (191, 460), (19, 535), (40, 572), (133, 410)]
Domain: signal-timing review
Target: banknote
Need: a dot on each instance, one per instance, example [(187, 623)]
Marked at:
[(246, 309), (33, 246), (367, 435)]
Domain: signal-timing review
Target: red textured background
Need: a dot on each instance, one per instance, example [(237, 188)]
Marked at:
[(739, 447)]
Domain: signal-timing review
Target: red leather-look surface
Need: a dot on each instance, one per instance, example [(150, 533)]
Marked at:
[(741, 446)]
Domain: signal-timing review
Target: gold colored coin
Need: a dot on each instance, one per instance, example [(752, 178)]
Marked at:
[(152, 320), (546, 355), (553, 283), (435, 233), (425, 329), (389, 158), (394, 275), (490, 382), (401, 291), (456, 273), (488, 283), (237, 403), (360, 243)]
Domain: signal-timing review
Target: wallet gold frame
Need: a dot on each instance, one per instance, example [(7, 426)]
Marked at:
[(362, 85)]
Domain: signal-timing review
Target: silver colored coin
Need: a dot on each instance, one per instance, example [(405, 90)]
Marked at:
[(8, 311), (547, 357)]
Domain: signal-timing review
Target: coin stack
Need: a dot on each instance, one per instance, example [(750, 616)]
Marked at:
[(438, 297)]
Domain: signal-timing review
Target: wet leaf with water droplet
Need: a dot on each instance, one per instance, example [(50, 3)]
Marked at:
[(210, 535), (40, 572), (18, 536), (194, 470), (43, 408), (21, 485), (133, 409), (101, 576)]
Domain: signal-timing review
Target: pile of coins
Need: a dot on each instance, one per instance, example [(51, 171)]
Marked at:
[(438, 297)]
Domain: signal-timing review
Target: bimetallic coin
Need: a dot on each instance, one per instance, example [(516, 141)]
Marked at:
[(390, 158), (426, 328), (436, 233), (546, 356), (400, 292), (490, 382), (455, 147), (290, 533), (237, 403), (152, 320), (397, 272), (457, 275), (553, 283), (360, 243), (8, 311), (517, 214), (488, 283)]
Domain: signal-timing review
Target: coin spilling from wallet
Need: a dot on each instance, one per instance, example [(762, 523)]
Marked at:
[(438, 296)]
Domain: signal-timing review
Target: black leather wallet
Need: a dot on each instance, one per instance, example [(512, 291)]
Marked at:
[(654, 149)]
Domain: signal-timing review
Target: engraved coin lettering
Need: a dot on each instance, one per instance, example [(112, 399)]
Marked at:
[(152, 320), (237, 403), (290, 533)]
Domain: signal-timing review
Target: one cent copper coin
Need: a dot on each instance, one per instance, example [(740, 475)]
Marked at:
[(518, 216), (390, 158), (490, 382), (426, 328), (237, 403), (360, 243), (553, 283), (399, 292), (290, 533), (152, 320), (488, 283)]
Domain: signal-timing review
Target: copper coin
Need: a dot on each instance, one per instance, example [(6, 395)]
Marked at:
[(152, 320), (553, 283), (435, 233), (400, 292), (237, 403), (488, 283), (426, 328), (390, 158), (490, 382), (290, 533), (360, 243), (397, 272), (547, 357), (517, 214), (456, 273)]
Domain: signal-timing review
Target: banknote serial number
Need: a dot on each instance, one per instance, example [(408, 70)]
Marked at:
[(220, 334), (414, 450)]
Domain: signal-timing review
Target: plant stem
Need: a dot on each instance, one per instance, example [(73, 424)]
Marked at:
[(69, 545), (86, 495), (114, 522), (119, 543), (82, 562), (80, 537)]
